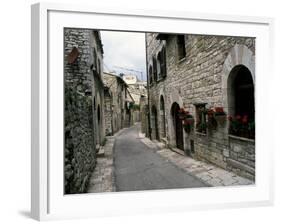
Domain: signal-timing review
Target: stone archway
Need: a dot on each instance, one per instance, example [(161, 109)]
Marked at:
[(241, 92), (177, 126), (174, 97), (238, 55)]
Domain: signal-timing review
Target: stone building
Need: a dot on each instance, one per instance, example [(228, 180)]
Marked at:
[(197, 74), (118, 103), (137, 89), (83, 113), (144, 118)]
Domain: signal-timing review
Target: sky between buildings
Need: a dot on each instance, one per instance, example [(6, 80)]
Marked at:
[(125, 50)]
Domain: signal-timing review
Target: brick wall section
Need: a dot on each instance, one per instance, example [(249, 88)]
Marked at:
[(198, 79)]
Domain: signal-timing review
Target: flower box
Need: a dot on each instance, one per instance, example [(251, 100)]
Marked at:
[(220, 119)]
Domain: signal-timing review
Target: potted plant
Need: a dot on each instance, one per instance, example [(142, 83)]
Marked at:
[(219, 115), (188, 124), (241, 126), (182, 112)]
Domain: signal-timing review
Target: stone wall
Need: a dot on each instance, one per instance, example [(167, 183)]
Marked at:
[(79, 116), (200, 77), (108, 112), (80, 153), (240, 156), (118, 88), (144, 116)]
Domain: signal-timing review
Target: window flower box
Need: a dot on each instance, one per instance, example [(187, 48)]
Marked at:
[(242, 126), (219, 115)]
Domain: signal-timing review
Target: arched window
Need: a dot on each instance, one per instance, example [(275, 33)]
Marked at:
[(241, 102)]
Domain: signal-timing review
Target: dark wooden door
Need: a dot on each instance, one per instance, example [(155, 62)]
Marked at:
[(179, 132), (178, 127)]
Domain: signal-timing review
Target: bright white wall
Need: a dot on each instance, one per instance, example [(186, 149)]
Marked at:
[(15, 110)]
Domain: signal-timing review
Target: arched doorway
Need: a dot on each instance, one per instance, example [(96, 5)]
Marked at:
[(154, 126), (177, 123), (162, 117)]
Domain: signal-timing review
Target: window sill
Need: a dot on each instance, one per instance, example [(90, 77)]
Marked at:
[(241, 138), (200, 133), (181, 60)]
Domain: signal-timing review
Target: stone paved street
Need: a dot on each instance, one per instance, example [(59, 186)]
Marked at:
[(102, 179), (134, 162), (210, 174), (137, 167)]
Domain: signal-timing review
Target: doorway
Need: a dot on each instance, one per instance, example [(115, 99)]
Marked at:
[(177, 123)]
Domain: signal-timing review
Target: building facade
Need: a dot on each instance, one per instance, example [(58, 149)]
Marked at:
[(83, 110), (137, 89), (118, 112), (192, 80)]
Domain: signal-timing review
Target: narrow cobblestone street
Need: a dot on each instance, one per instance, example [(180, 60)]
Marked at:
[(129, 162), (137, 167)]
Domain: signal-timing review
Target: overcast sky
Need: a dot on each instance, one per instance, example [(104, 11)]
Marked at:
[(124, 49)]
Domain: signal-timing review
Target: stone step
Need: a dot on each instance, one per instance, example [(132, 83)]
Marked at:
[(179, 151), (100, 152)]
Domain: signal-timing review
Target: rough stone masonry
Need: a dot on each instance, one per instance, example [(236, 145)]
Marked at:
[(199, 74), (80, 117)]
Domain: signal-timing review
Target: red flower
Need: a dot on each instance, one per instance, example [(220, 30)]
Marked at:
[(238, 117), (219, 109), (245, 119), (210, 112)]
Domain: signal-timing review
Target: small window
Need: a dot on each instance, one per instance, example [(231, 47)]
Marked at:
[(181, 46), (201, 124)]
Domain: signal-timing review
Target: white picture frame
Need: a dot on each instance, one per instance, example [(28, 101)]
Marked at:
[(48, 201)]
